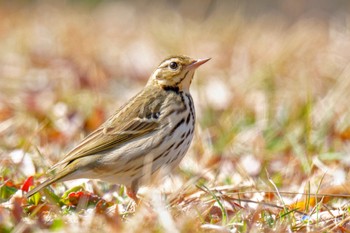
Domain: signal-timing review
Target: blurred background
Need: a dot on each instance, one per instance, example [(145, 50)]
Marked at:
[(275, 93), (272, 105)]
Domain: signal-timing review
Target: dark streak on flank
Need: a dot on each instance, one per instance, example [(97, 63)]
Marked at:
[(177, 126), (167, 151), (192, 130), (165, 154), (179, 144), (174, 158), (188, 119), (170, 134), (188, 133)]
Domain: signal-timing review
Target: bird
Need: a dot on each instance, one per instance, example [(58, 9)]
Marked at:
[(153, 130)]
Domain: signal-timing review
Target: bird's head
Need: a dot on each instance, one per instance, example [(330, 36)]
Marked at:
[(176, 72)]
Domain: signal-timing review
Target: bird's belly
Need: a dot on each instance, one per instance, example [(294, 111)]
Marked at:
[(147, 158)]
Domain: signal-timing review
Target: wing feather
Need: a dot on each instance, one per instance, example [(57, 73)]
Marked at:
[(131, 121)]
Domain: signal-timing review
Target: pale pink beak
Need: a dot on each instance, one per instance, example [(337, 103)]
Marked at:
[(197, 63)]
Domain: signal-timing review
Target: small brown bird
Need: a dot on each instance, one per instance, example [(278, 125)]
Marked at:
[(154, 129)]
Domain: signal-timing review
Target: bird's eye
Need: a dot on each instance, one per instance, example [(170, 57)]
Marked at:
[(173, 65)]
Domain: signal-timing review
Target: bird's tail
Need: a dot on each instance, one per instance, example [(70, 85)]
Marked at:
[(41, 186), (57, 177)]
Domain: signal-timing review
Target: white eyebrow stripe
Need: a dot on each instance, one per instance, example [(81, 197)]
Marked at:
[(167, 62)]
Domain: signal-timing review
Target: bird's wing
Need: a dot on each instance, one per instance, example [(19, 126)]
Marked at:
[(122, 127)]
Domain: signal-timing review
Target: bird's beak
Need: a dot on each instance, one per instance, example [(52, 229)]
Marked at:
[(197, 63)]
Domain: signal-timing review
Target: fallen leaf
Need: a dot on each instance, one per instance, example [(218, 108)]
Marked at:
[(29, 182)]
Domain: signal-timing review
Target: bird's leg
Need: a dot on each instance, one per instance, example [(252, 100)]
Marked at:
[(131, 192)]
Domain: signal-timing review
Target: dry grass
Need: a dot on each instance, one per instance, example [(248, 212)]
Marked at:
[(273, 117)]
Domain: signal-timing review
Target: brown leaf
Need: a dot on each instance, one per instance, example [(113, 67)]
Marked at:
[(345, 134), (96, 118), (17, 210), (5, 113), (304, 204)]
